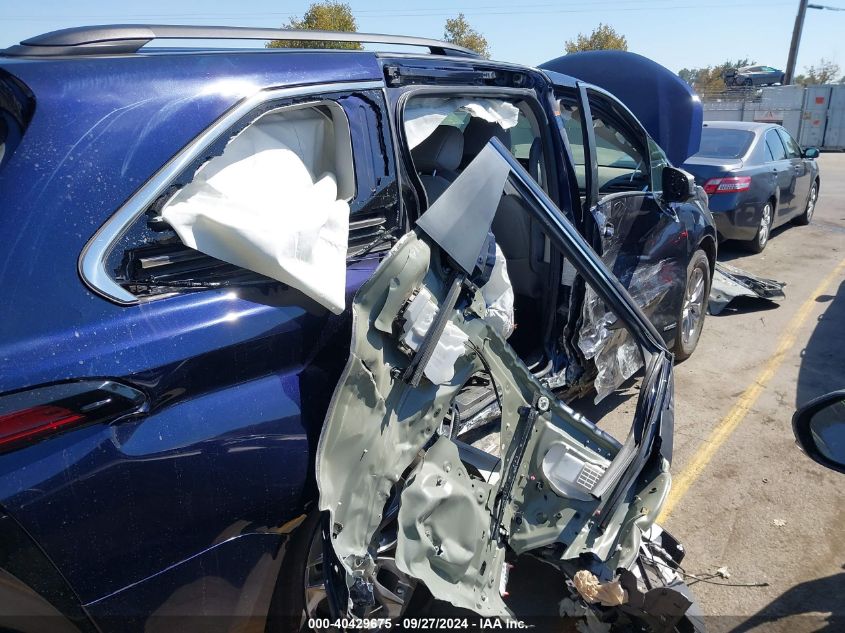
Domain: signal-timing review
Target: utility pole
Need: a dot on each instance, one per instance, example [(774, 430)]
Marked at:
[(796, 40)]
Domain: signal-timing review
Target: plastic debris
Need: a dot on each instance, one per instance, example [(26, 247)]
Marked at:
[(779, 523), (723, 572), (730, 283)]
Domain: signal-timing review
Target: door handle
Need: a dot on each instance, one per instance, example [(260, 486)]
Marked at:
[(608, 230)]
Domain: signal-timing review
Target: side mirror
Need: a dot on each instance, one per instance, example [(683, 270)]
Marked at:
[(811, 152), (678, 185), (819, 427)]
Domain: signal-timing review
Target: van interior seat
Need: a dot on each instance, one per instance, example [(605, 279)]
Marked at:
[(437, 160), (477, 134), (512, 228), (512, 225)]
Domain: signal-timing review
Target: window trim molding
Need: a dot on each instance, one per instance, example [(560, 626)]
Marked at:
[(91, 263)]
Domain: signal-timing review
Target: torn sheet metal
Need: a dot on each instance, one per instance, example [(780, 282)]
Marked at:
[(604, 340), (730, 283), (601, 338), (423, 115), (454, 528), (275, 203)]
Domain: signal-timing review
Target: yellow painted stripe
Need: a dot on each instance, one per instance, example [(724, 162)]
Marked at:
[(681, 484)]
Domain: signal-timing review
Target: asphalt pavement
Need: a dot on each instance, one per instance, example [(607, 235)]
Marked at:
[(745, 500), (745, 497)]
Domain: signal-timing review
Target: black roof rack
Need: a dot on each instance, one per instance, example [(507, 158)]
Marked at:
[(115, 39)]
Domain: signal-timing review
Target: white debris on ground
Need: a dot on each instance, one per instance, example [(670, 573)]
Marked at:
[(779, 523), (723, 572), (609, 594)]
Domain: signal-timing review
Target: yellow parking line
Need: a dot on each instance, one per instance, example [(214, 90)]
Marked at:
[(681, 484)]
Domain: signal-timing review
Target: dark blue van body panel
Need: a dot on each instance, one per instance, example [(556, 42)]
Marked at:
[(197, 488)]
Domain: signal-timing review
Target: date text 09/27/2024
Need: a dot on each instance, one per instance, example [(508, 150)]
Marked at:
[(412, 624)]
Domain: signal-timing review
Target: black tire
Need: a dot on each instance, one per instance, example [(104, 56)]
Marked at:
[(748, 82), (764, 229), (287, 607), (804, 218), (693, 306)]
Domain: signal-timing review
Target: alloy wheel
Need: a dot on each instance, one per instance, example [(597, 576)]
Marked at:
[(811, 202), (693, 305), (765, 226)]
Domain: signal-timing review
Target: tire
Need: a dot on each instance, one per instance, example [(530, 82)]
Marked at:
[(300, 592), (764, 229), (748, 82), (804, 218), (287, 607), (693, 306)]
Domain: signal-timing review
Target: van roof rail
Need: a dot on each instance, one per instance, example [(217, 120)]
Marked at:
[(113, 39)]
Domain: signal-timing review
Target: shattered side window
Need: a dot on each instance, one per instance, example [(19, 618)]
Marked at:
[(277, 202)]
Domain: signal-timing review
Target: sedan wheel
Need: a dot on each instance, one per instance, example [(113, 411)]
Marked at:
[(807, 216), (764, 230)]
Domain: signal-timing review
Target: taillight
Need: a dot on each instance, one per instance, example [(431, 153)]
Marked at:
[(731, 184), (36, 413), (35, 421)]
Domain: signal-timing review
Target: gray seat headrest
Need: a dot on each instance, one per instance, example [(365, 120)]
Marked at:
[(478, 133), (441, 151)]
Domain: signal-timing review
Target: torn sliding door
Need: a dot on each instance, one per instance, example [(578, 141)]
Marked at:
[(380, 448)]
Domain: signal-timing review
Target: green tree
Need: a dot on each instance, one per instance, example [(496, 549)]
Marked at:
[(603, 38), (711, 79), (458, 31), (825, 72), (326, 15)]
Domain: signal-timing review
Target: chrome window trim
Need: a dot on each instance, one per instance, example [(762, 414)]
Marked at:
[(91, 264)]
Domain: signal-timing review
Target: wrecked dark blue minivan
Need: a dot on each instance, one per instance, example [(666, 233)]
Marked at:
[(254, 300)]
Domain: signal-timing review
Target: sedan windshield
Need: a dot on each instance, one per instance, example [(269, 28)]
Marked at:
[(724, 143)]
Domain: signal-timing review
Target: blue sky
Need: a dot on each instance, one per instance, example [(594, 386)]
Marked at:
[(676, 33)]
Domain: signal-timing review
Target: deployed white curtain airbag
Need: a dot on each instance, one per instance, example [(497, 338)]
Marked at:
[(423, 115), (270, 204)]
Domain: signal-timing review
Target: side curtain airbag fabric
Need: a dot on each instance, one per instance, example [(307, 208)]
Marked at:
[(268, 204), (423, 115)]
